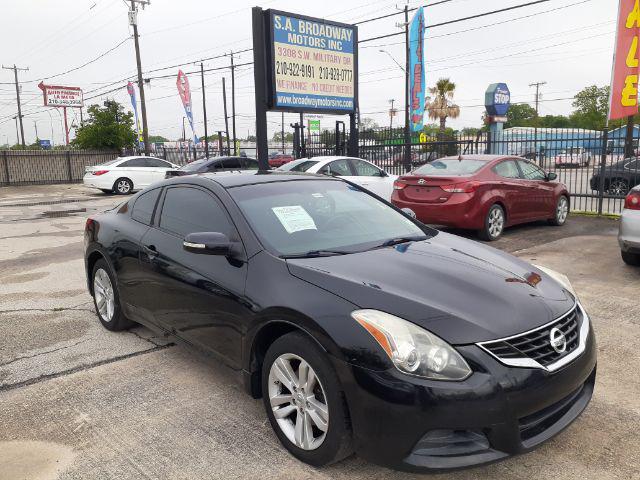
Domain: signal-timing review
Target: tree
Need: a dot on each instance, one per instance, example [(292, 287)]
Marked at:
[(107, 127), (520, 115), (441, 106), (157, 139), (277, 137), (591, 106)]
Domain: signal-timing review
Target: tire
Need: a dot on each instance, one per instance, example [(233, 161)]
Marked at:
[(561, 212), (104, 287), (632, 259), (618, 187), (493, 223), (108, 192), (123, 186), (287, 354)]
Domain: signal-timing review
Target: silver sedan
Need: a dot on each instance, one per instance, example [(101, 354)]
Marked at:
[(629, 234)]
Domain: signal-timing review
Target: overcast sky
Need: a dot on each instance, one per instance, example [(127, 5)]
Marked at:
[(567, 43)]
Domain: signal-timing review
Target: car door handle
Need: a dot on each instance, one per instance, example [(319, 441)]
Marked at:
[(150, 250)]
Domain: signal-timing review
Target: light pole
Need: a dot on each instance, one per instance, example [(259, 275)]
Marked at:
[(392, 113), (35, 125), (51, 123), (394, 60)]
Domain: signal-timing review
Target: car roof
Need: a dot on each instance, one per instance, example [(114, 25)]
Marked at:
[(238, 178), (480, 157), (130, 157)]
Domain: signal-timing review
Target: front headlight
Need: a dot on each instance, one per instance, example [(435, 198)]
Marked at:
[(561, 278), (413, 350)]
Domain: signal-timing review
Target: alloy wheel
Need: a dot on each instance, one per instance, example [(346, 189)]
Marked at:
[(104, 295), (298, 401), (618, 187), (496, 222), (562, 210), (123, 186)]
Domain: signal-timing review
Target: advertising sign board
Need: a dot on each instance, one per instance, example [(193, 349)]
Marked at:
[(624, 79), (416, 70), (59, 96), (497, 99), (312, 65)]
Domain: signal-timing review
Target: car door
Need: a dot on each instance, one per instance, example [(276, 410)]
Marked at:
[(157, 168), (513, 190), (540, 191), (372, 178), (137, 171), (194, 296)]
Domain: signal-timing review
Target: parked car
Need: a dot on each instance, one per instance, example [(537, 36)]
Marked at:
[(278, 159), (482, 192), (573, 157), (300, 165), (629, 233), (125, 175), (361, 328), (356, 170), (216, 164), (619, 177)]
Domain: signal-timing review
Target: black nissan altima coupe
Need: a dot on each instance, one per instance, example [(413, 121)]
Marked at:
[(362, 329)]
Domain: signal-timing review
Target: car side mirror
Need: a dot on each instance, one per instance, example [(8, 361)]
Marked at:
[(551, 176), (208, 243), (383, 174), (409, 212)]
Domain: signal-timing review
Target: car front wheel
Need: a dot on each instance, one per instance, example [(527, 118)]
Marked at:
[(493, 224), (562, 212), (106, 299), (305, 402)]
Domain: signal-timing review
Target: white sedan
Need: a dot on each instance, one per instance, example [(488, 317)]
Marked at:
[(356, 170), (124, 175)]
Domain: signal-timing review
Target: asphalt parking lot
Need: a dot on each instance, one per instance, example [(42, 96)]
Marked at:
[(78, 402)]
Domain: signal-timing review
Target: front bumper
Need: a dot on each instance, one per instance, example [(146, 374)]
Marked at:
[(629, 233), (414, 424)]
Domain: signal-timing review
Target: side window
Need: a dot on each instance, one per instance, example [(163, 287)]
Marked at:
[(633, 165), (156, 163), (135, 162), (187, 210), (231, 163), (143, 208), (365, 169), (530, 171), (249, 164), (507, 169), (339, 168)]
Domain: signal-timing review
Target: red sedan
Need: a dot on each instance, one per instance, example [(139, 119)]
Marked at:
[(482, 192), (278, 159)]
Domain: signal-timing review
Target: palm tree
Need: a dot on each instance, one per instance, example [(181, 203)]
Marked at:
[(441, 107)]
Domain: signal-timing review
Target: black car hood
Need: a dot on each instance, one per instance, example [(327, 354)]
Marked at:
[(461, 290)]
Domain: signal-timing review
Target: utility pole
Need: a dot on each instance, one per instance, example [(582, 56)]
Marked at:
[(282, 130), (392, 113), (535, 129), (133, 20), (226, 116), (17, 134), (15, 76), (233, 102), (204, 108), (35, 125)]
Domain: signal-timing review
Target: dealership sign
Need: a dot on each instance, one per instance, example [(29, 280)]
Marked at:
[(59, 96), (624, 82), (497, 99), (416, 69), (311, 65)]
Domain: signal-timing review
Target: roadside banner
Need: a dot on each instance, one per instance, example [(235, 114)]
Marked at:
[(623, 101), (185, 95), (134, 104), (416, 70)]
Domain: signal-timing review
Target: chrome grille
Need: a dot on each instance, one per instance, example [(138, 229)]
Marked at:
[(533, 348)]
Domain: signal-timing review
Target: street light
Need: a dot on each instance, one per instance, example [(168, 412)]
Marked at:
[(394, 60)]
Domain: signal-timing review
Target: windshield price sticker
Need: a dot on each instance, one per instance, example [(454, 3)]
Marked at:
[(294, 218), (313, 64)]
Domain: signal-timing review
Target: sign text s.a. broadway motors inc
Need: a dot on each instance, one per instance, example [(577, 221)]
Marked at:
[(313, 63)]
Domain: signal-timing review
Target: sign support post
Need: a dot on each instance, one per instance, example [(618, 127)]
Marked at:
[(66, 126), (259, 76)]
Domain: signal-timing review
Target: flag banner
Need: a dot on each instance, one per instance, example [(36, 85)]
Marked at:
[(416, 71), (185, 96), (134, 104), (623, 101)]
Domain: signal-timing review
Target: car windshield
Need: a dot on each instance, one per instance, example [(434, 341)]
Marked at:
[(195, 165), (450, 166), (297, 166), (311, 217)]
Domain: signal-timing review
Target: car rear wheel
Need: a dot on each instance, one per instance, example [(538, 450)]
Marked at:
[(629, 258), (562, 212), (123, 186), (618, 187), (493, 223), (305, 402), (105, 298)]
